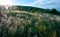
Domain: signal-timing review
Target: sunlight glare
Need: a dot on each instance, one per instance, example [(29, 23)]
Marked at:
[(5, 2)]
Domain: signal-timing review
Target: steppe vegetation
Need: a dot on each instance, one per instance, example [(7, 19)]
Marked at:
[(19, 23)]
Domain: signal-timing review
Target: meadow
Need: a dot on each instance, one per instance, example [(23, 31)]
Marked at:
[(19, 23)]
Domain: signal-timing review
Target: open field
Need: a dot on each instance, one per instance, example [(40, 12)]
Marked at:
[(29, 24)]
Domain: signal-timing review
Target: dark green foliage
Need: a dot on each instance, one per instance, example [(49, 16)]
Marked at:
[(31, 9), (54, 11)]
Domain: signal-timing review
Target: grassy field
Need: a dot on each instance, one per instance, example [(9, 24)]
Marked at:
[(29, 24)]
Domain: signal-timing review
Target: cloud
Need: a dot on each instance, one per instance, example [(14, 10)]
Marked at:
[(36, 2), (45, 3)]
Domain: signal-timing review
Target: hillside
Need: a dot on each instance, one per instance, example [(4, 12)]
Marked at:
[(35, 9), (30, 9), (17, 22)]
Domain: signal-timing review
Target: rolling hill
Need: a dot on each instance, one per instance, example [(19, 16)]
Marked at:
[(25, 21)]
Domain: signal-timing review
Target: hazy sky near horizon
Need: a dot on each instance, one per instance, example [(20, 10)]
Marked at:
[(39, 3), (35, 3)]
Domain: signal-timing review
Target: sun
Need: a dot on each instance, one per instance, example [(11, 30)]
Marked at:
[(6, 2)]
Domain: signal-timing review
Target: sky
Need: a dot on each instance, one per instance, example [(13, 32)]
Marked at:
[(49, 4)]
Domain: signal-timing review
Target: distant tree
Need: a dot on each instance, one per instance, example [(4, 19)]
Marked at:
[(54, 11)]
